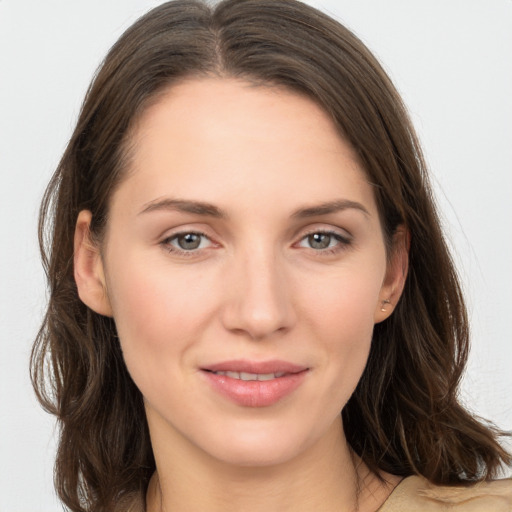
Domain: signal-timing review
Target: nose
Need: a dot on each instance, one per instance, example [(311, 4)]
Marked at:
[(258, 301)]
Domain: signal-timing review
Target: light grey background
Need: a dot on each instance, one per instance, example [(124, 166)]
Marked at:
[(451, 60)]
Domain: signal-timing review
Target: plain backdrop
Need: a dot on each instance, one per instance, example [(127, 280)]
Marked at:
[(450, 59)]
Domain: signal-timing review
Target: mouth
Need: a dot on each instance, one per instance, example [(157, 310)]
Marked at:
[(243, 367), (255, 384), (250, 376)]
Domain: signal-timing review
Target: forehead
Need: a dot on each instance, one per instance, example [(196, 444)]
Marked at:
[(229, 140)]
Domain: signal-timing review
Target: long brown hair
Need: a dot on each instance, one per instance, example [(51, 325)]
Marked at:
[(404, 417)]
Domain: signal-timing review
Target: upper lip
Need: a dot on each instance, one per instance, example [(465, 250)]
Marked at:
[(258, 367)]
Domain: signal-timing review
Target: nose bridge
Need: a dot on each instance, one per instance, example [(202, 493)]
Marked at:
[(258, 301)]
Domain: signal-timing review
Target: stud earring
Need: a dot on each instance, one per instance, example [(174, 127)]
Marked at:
[(384, 303)]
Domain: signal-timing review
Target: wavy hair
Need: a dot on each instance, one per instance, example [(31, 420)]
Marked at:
[(404, 417)]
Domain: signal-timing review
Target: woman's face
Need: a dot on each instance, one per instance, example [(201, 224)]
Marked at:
[(245, 268)]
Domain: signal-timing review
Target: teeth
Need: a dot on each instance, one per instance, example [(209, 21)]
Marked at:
[(251, 376), (266, 376), (248, 376)]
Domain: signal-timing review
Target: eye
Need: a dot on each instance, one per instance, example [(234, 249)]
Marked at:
[(324, 241), (187, 242)]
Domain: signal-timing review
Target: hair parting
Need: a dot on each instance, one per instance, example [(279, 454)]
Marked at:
[(405, 416)]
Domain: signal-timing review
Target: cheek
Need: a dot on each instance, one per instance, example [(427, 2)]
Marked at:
[(342, 316), (158, 315), (344, 302), (148, 295)]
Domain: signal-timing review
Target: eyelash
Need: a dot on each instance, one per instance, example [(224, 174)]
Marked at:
[(342, 242), (167, 243)]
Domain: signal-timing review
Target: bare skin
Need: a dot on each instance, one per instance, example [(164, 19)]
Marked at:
[(245, 233), (300, 486)]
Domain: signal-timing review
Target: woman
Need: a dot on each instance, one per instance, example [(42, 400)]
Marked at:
[(252, 305)]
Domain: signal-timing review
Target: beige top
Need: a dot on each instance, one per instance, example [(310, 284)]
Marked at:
[(415, 494)]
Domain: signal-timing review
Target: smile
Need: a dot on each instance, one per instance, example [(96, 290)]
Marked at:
[(254, 384), (251, 376)]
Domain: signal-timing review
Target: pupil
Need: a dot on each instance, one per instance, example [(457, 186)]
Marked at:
[(189, 241), (319, 240)]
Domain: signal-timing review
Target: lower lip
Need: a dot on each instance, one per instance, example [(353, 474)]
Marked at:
[(255, 393)]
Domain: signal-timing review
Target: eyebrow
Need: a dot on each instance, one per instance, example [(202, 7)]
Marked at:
[(329, 207), (183, 205), (210, 210)]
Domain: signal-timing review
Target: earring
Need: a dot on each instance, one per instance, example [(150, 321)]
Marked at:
[(384, 302)]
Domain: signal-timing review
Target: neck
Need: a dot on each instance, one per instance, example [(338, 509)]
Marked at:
[(326, 476)]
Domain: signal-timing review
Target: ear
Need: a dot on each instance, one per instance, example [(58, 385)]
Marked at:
[(88, 268), (396, 274)]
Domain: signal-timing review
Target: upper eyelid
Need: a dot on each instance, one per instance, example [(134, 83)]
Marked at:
[(183, 230), (330, 230), (342, 239), (167, 236), (173, 236), (298, 236), (169, 246)]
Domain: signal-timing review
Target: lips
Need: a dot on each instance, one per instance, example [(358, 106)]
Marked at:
[(255, 384), (251, 376)]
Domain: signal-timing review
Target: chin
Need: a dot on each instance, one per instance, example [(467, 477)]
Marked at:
[(257, 446), (254, 455)]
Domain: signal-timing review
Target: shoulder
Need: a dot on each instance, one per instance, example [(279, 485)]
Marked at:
[(415, 494)]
